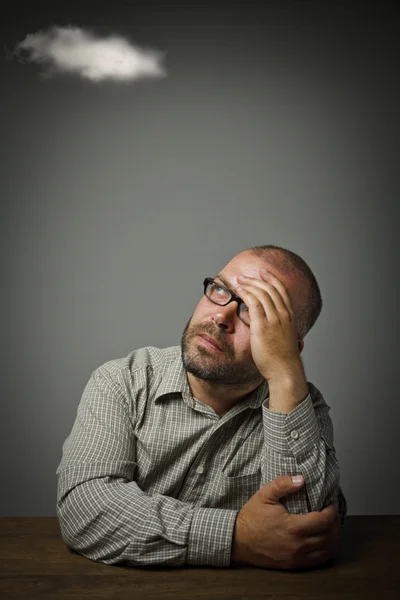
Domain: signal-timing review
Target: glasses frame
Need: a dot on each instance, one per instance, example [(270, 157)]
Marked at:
[(234, 298)]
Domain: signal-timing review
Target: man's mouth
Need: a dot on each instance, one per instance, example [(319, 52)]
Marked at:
[(210, 341)]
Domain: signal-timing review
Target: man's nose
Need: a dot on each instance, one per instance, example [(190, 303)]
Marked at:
[(224, 316)]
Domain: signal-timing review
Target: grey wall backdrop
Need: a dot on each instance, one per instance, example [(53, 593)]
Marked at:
[(274, 125)]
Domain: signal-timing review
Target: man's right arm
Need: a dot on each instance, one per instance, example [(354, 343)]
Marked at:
[(103, 513)]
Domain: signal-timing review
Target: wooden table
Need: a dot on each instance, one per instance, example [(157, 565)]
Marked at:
[(35, 563)]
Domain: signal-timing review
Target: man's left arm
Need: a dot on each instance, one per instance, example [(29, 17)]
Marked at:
[(299, 440), (298, 431)]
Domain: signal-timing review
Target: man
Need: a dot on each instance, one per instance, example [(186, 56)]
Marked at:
[(189, 455)]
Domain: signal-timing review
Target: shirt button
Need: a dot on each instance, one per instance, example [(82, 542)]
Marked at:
[(200, 469), (294, 434)]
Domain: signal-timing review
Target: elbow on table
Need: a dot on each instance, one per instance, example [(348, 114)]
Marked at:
[(85, 537)]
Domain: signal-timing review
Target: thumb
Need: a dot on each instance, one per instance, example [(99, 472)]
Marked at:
[(281, 486)]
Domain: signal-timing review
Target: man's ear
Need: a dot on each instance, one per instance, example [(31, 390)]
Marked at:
[(301, 345)]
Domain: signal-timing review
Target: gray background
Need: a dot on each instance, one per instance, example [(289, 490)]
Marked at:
[(275, 125)]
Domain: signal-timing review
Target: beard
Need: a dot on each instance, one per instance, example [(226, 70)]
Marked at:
[(221, 368)]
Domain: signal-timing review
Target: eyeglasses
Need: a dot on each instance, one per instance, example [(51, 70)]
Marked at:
[(219, 294)]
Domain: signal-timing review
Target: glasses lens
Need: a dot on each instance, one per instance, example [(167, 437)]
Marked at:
[(217, 293), (244, 313)]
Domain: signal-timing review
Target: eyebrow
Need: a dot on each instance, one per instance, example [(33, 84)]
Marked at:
[(226, 283)]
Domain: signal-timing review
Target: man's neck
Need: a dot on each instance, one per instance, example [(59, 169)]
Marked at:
[(221, 397)]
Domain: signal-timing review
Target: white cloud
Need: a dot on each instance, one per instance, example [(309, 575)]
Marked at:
[(77, 51)]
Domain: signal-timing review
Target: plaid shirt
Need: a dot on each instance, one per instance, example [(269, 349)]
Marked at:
[(151, 476)]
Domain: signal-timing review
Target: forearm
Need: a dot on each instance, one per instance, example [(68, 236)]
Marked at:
[(301, 441), (111, 521), (320, 472)]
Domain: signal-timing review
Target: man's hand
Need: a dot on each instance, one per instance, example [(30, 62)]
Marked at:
[(273, 328), (266, 535), (274, 339)]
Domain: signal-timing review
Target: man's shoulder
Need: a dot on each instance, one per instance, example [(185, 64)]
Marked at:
[(146, 358)]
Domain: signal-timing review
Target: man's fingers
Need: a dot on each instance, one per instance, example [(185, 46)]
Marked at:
[(256, 308), (316, 522), (265, 289), (274, 288), (258, 305), (325, 540)]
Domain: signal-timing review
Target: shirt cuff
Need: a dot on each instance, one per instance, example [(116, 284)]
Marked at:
[(292, 433), (210, 537)]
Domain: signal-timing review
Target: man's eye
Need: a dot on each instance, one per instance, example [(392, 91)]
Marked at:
[(218, 288)]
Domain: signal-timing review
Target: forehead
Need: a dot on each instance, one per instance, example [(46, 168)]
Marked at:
[(246, 264)]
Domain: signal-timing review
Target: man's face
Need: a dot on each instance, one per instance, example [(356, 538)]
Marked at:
[(231, 363)]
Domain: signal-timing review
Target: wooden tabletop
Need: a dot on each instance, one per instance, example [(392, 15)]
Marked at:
[(35, 563)]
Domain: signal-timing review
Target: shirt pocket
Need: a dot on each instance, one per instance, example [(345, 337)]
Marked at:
[(243, 460), (232, 492)]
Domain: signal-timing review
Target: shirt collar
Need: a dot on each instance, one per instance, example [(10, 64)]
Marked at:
[(175, 381)]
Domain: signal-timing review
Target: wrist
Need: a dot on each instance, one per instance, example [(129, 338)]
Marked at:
[(288, 378), (287, 394)]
